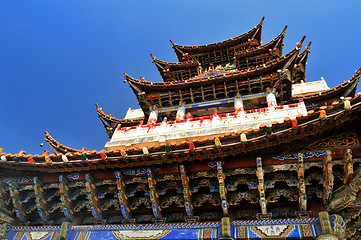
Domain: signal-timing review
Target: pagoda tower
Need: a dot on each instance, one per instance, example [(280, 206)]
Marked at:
[(234, 143)]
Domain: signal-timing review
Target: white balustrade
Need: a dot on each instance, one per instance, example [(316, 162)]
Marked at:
[(208, 125)]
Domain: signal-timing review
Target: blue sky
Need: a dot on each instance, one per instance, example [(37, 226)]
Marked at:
[(58, 58)]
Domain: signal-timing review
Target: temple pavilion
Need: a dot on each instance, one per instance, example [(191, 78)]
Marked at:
[(233, 143)]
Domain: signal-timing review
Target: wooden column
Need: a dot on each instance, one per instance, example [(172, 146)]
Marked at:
[(17, 204), (328, 177), (225, 89), (92, 197), (214, 91), (65, 194), (170, 98), (153, 194), (191, 93), (40, 199), (122, 196), (203, 98), (348, 166), (261, 190), (5, 205), (237, 88), (187, 194), (301, 184), (222, 189), (159, 100)]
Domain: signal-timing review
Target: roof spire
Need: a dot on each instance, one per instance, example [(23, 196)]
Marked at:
[(299, 44), (261, 23)]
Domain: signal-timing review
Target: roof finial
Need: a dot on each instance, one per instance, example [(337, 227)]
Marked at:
[(284, 30), (46, 152), (22, 152), (126, 77), (299, 44), (303, 39), (261, 23), (173, 44), (152, 56)]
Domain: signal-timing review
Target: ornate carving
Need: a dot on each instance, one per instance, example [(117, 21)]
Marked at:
[(344, 140), (251, 196), (345, 195)]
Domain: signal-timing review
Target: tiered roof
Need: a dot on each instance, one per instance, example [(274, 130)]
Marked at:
[(249, 57), (215, 85), (219, 52)]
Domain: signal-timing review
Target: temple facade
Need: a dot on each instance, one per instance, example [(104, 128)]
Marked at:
[(233, 143)]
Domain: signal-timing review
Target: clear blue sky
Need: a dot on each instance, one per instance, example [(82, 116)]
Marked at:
[(58, 58)]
